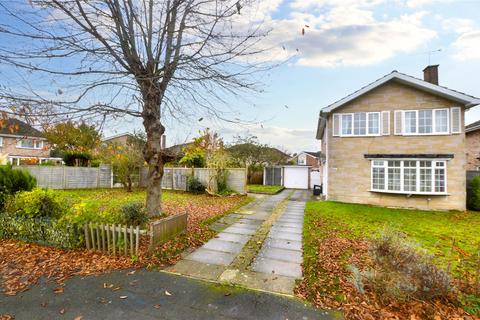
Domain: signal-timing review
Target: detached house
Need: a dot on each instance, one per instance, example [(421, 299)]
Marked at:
[(399, 141), (21, 144)]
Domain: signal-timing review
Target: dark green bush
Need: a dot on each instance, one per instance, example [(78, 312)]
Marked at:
[(35, 204), (14, 180), (75, 158), (134, 213), (43, 231), (473, 196), (194, 185)]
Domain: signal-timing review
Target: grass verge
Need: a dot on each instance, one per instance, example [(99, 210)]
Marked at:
[(258, 188)]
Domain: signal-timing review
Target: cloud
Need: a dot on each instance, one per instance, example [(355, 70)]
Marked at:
[(339, 35), (467, 46), (458, 25)]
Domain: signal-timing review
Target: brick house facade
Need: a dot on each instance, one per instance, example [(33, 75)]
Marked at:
[(398, 142), (472, 135)]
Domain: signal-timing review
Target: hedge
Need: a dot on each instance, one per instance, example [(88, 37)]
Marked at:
[(43, 231)]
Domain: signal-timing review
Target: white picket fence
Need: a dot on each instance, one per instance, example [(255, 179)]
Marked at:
[(113, 239)]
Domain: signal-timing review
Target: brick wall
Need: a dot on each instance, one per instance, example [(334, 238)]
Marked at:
[(10, 147), (349, 172), (473, 149)]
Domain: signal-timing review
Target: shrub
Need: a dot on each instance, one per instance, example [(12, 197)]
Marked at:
[(134, 213), (473, 201), (14, 180), (194, 185), (76, 158), (36, 203), (403, 271)]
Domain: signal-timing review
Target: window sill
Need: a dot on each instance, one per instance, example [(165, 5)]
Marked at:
[(412, 193), (28, 148)]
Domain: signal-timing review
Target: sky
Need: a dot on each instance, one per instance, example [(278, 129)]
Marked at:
[(347, 45)]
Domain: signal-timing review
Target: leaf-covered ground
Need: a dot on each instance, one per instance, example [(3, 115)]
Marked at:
[(258, 188), (23, 264), (336, 235)]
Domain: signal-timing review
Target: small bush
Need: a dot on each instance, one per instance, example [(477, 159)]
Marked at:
[(473, 201), (14, 180), (78, 159), (403, 271), (35, 204), (194, 185), (134, 213)]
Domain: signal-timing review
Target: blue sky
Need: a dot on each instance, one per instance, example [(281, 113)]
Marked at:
[(349, 44)]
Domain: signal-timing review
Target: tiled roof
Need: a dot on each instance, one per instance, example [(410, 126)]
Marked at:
[(17, 127)]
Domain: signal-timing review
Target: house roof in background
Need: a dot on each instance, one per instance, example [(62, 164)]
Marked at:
[(460, 97), (473, 126), (178, 149), (15, 127), (128, 134)]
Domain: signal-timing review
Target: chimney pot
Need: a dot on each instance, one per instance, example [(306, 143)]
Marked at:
[(430, 74)]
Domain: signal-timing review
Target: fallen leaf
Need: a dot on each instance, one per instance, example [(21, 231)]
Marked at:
[(58, 290), (62, 311), (78, 318), (157, 306), (123, 297), (167, 293)]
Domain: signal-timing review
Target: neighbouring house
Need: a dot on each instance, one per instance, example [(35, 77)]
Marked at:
[(399, 141), (472, 135), (22, 144), (119, 139), (307, 158)]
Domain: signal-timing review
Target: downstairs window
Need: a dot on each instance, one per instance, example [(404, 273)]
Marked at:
[(409, 176)]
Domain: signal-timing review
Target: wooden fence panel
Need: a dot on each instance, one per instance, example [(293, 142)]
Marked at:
[(167, 228), (98, 236)]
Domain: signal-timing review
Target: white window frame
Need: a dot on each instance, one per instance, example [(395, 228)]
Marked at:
[(352, 128), (435, 164), (37, 144), (434, 129), (1, 141)]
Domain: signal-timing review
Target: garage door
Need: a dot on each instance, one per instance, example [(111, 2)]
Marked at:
[(296, 177)]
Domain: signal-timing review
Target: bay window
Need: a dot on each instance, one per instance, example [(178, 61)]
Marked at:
[(409, 176)]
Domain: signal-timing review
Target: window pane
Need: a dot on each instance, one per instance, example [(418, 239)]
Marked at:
[(440, 180), (425, 121), (394, 175), (410, 175), (410, 121), (378, 163), (360, 123), (425, 180), (346, 124), (373, 123), (378, 179), (441, 120), (27, 143)]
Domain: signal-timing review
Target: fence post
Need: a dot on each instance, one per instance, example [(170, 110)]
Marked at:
[(131, 240), (114, 242), (108, 238), (87, 238), (125, 238), (137, 239)]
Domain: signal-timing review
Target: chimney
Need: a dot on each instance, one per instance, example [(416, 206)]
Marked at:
[(163, 141), (430, 74)]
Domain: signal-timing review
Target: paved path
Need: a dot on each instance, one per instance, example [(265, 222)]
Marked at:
[(266, 235), (145, 297)]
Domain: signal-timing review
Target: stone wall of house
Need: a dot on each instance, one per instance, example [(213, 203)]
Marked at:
[(349, 172), (9, 147), (473, 149)]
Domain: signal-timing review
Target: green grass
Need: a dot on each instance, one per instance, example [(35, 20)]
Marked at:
[(258, 188), (433, 230)]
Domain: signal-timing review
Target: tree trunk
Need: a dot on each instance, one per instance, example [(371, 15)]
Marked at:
[(152, 152)]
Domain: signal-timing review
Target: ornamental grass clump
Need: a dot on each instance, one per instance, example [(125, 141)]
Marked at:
[(402, 271)]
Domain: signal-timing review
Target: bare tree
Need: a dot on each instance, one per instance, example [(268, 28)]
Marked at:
[(142, 58)]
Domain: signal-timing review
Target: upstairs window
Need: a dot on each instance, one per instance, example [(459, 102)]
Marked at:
[(29, 144), (427, 121), (358, 124)]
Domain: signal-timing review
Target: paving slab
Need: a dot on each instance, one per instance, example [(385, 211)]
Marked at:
[(197, 269), (297, 230), (250, 221), (283, 268), (294, 256), (211, 257), (283, 244), (274, 234), (288, 224), (240, 230), (234, 237), (224, 246), (244, 226)]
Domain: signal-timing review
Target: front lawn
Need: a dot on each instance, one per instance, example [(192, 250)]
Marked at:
[(338, 235), (23, 264), (258, 188)]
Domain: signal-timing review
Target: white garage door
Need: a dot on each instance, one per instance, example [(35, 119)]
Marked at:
[(296, 177)]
